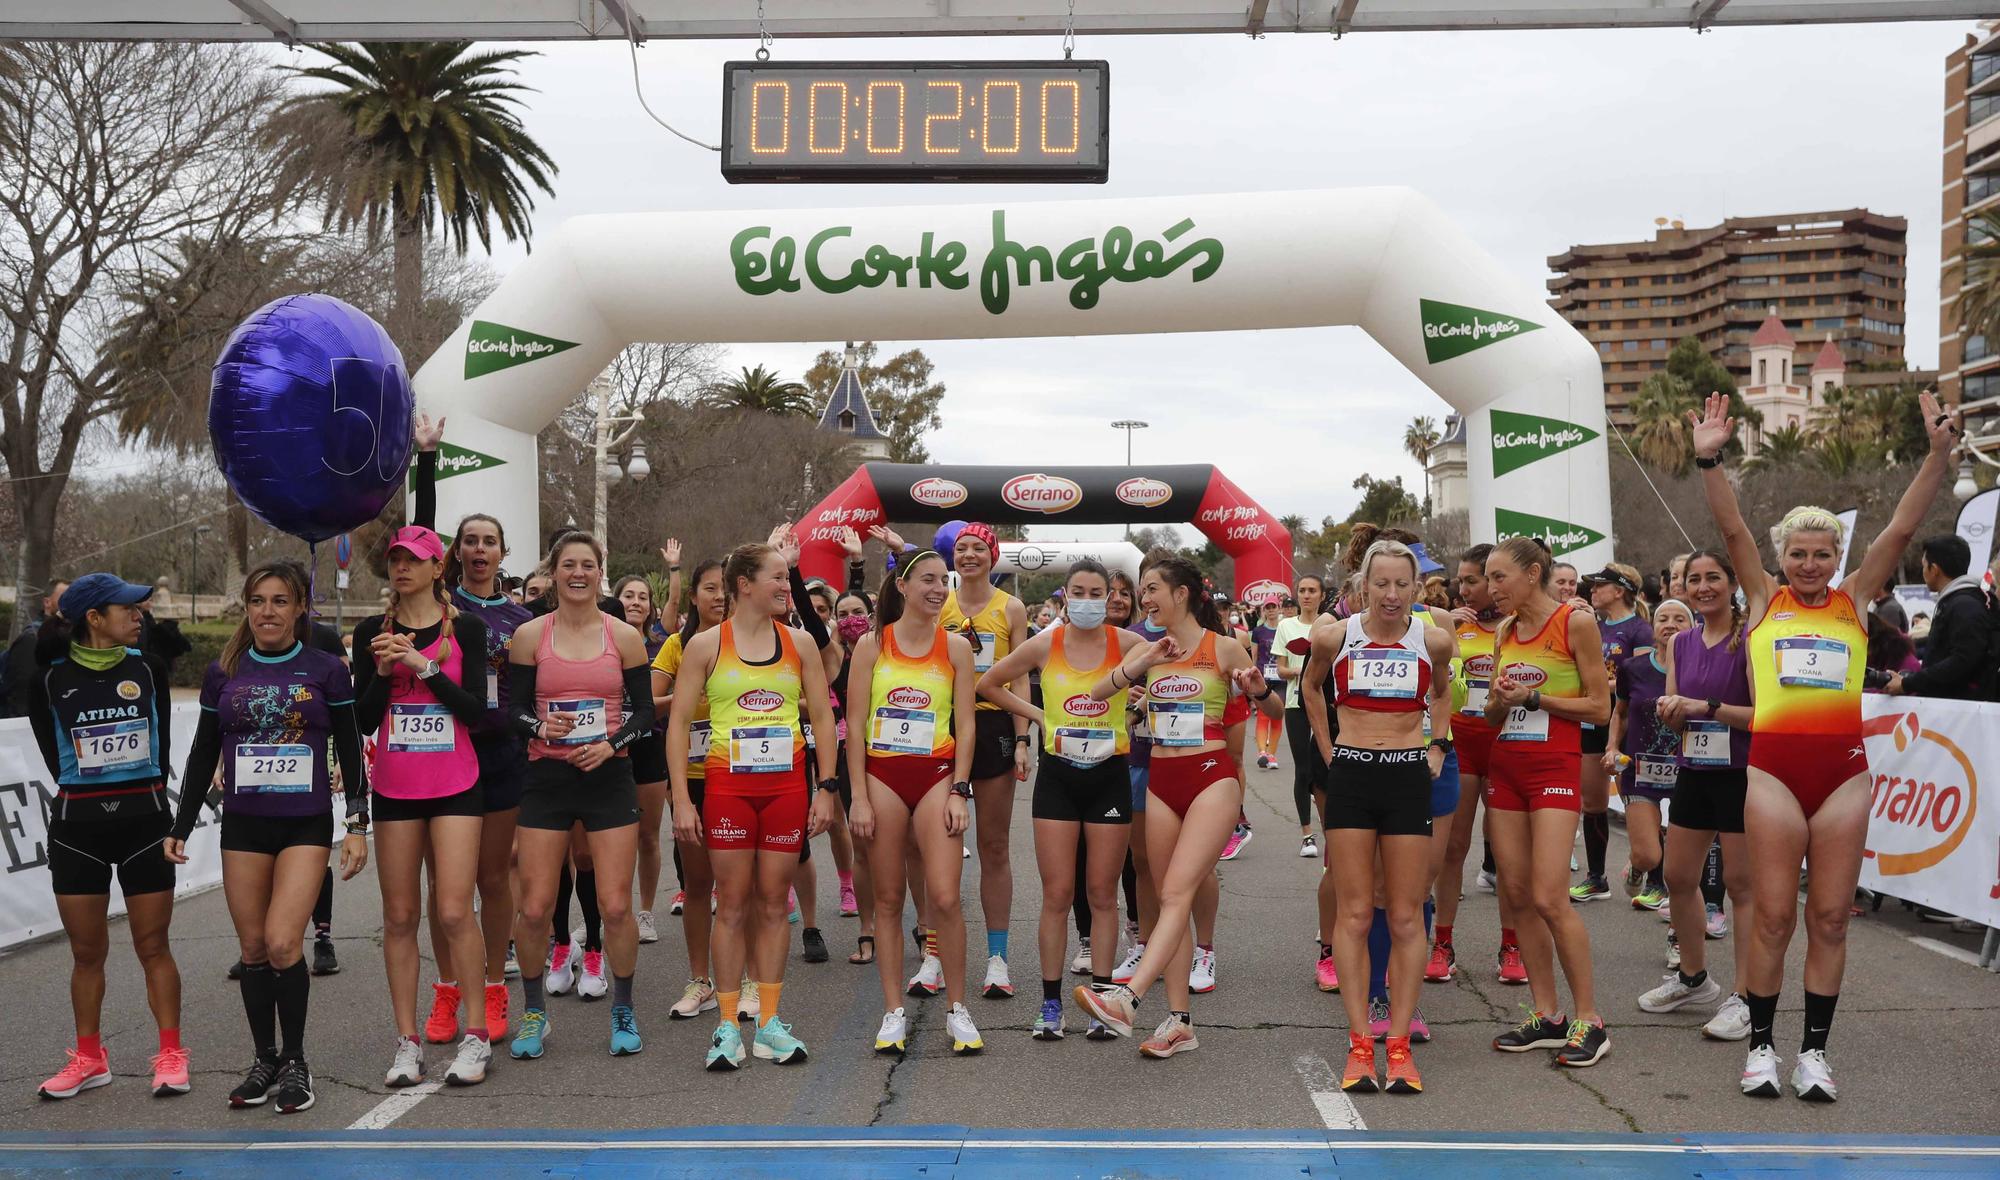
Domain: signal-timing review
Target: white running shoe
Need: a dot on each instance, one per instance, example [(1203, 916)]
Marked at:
[(1760, 1073), (747, 1005), (648, 930), (1731, 1022), (469, 1067), (408, 1067), (1812, 1078), (1673, 953), (1309, 848), (590, 982), (965, 1037), (894, 1035), (1081, 964), (999, 985), (928, 980), (1201, 977), (1124, 971), (698, 997), (1487, 882), (1717, 922), (564, 963), (1672, 994)]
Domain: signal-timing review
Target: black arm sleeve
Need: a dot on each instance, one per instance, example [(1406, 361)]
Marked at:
[(466, 696), (347, 753), (639, 691), (425, 510), (44, 723), (371, 690), (163, 706), (521, 696), (200, 771), (809, 619), (857, 578)]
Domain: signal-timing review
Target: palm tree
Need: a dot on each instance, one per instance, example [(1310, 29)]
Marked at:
[(1420, 438), (1780, 448), (1978, 272), (762, 391), (1660, 435), (435, 142)]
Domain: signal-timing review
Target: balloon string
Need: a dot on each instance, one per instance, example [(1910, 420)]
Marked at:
[(312, 579)]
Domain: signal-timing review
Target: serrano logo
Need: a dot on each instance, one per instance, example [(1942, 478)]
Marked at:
[(1259, 593), (760, 700), (909, 698), (1046, 494), (1175, 688), (723, 830), (1085, 705), (1480, 667), (1925, 799), (938, 493), (1527, 674), (1143, 492)]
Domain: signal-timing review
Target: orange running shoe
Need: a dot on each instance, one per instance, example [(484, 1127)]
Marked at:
[(1402, 1071), (442, 1027), (1360, 1075), (1512, 970), (496, 1011)]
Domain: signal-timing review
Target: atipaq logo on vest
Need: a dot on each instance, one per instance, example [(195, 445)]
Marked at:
[(1451, 330), (1521, 439), (1046, 494), (490, 347)]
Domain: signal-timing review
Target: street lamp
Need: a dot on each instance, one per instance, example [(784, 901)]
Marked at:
[(1128, 425), (1966, 487), (607, 469)]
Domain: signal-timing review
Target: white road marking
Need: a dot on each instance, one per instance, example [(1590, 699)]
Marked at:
[(1335, 1108), (1949, 951), (395, 1106)]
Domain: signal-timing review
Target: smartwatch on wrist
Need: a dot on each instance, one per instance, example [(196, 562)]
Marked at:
[(1705, 464), (830, 784), (1535, 698), (962, 789), (1442, 744), (1713, 705)]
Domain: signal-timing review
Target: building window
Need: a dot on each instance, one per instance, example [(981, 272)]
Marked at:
[(1659, 301), (1761, 363), (1980, 387), (1629, 346), (1631, 303), (1870, 324), (1755, 259), (1834, 322), (1980, 187), (1659, 346), (1983, 67), (1975, 348), (847, 421), (1631, 282)]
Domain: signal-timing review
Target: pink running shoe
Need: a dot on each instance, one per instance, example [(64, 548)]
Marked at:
[(850, 906), (80, 1074), (170, 1073), (1324, 974)]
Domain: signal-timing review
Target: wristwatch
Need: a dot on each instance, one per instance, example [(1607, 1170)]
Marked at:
[(429, 670), (1442, 744), (1713, 705), (1020, 739), (1705, 464), (962, 789), (357, 824), (829, 784)]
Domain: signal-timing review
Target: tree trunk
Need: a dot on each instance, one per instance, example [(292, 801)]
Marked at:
[(409, 294), (236, 553), (35, 504)]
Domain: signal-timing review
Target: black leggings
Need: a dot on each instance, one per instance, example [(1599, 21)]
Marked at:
[(1308, 771)]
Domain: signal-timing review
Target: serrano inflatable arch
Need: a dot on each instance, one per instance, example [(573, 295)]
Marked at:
[(1386, 260)]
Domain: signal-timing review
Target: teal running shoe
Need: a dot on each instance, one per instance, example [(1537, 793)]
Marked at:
[(775, 1042), (624, 1032), (725, 1049), (535, 1029)]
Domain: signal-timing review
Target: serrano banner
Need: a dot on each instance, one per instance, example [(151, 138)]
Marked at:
[(1260, 547), (27, 791)]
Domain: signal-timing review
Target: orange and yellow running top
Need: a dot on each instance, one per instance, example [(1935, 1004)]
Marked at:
[(1542, 661), (754, 709), (1474, 676), (669, 662), (1075, 727), (988, 633), (1805, 667), (1185, 700), (910, 699)]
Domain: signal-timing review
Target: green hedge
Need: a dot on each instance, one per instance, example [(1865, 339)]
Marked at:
[(207, 639)]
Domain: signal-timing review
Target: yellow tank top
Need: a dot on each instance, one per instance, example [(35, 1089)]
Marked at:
[(1185, 700), (989, 634), (1542, 661), (1076, 728), (1472, 674), (910, 700), (754, 709), (669, 662), (1805, 667)]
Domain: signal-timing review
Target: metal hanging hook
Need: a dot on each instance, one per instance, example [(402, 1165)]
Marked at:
[(1069, 32), (763, 35)]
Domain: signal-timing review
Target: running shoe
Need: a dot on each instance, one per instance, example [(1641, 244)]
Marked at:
[(1201, 976), (850, 905), (1590, 889), (812, 945), (1125, 970), (295, 1086), (496, 1011), (1081, 964), (1731, 1022), (1666, 915), (1760, 1073), (1309, 848), (1718, 922), (894, 1035), (648, 930), (1115, 1007), (1325, 975), (513, 966), (591, 984), (1586, 1046), (1673, 952), (1812, 1079), (1378, 1018), (170, 1073), (725, 1049), (407, 1067), (747, 1005), (1674, 993), (1650, 898), (679, 903), (442, 1027), (1359, 1076), (928, 979), (792, 914), (1443, 964), (624, 1031), (1099, 1031), (325, 962), (235, 971), (696, 998), (1635, 880), (1511, 970), (1237, 839), (964, 853), (469, 1067), (1260, 762), (1049, 1024), (1420, 1032), (1401, 1070), (78, 1074), (561, 975), (1536, 1032), (965, 1038), (535, 1029), (998, 985), (257, 1084), (1173, 1036), (775, 1042), (1486, 882)]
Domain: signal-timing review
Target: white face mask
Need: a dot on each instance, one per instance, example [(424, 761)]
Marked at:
[(1087, 612)]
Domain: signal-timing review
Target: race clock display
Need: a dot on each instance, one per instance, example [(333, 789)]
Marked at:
[(916, 122)]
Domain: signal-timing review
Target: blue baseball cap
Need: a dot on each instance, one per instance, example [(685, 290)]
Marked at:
[(92, 591), (1426, 564)]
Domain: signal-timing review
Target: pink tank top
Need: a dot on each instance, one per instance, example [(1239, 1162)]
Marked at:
[(591, 692), (422, 751)]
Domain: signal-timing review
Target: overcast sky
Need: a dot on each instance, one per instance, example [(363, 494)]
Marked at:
[(1534, 141)]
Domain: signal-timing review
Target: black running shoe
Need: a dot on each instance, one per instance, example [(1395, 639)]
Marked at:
[(236, 971), (1536, 1032), (814, 945), (257, 1084), (1587, 1045), (324, 961), (295, 1086)]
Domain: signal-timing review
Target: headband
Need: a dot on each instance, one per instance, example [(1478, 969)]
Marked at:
[(910, 562), (985, 533)]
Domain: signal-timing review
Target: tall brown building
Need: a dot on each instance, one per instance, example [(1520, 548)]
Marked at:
[(1969, 369), (1836, 275)]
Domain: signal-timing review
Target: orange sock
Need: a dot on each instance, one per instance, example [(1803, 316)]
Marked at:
[(725, 1006), (767, 1002)]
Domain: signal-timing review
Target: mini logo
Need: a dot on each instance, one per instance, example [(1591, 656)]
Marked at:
[(909, 698), (1046, 494), (1260, 592), (1114, 813), (790, 839), (760, 700), (1527, 674), (128, 689), (1175, 688), (1521, 439), (1084, 705), (938, 493), (1451, 330), (1143, 492), (490, 348)]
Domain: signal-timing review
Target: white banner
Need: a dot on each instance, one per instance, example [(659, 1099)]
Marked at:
[(27, 792)]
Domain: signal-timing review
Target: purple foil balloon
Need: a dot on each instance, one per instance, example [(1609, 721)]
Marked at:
[(309, 412), (946, 538)]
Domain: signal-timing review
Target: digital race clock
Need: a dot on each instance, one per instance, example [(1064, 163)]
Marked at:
[(913, 122)]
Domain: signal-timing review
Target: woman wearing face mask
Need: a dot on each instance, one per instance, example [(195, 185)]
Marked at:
[(1641, 735), (1808, 786), (1082, 789), (1118, 616)]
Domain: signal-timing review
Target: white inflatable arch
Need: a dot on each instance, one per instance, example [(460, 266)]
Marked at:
[(1386, 260)]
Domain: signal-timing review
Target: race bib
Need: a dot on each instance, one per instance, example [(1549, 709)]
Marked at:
[(1805, 661), (902, 731), (1175, 723), (1271, 671), (492, 688), (1475, 698), (1525, 725), (274, 770), (112, 747), (1658, 773), (1705, 743), (761, 749), (592, 722), (699, 734), (1382, 672), (982, 650), (1085, 747), (421, 729)]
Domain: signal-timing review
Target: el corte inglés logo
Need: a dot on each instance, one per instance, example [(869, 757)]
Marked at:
[(1521, 439), (456, 460), (1451, 330), (1562, 537), (490, 348)]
